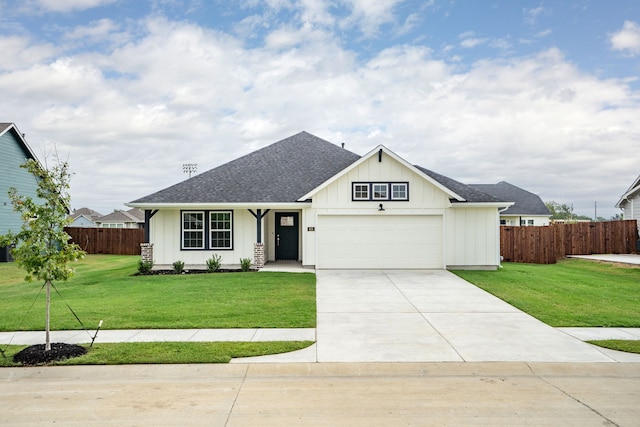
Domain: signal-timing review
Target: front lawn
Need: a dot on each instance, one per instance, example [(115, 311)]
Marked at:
[(105, 288), (167, 352), (571, 293)]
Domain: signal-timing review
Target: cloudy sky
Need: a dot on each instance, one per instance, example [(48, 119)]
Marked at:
[(542, 94)]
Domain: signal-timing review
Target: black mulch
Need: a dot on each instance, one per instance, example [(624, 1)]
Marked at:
[(36, 355)]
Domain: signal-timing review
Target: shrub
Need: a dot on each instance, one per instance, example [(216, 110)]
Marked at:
[(214, 263), (178, 267), (245, 264), (144, 267)]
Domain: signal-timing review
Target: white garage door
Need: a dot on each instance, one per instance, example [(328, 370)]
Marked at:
[(376, 242)]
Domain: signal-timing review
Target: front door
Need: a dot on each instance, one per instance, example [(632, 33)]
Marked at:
[(287, 231)]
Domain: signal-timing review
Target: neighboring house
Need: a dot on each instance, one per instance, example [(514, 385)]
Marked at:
[(84, 217), (306, 199), (527, 209), (14, 151), (630, 202), (133, 218)]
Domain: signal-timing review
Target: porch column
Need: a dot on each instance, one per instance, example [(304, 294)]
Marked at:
[(258, 247)]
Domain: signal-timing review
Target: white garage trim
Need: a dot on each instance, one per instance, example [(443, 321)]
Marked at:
[(380, 242)]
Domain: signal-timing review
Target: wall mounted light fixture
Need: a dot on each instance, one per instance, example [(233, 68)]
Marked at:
[(381, 208)]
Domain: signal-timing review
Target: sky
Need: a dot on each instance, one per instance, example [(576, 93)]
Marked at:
[(542, 94)]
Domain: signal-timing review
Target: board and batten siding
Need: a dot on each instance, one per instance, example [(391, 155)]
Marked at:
[(332, 207), (165, 234), (12, 155), (472, 237), (632, 209)]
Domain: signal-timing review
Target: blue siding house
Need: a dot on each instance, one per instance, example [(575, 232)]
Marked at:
[(14, 151)]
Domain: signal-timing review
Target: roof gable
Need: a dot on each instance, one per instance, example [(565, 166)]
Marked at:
[(379, 151), (13, 129), (631, 192), (279, 173), (525, 202)]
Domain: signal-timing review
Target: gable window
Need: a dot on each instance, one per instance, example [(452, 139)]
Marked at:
[(376, 191), (207, 230), (360, 191), (380, 191), (399, 191), (193, 230), (220, 230)]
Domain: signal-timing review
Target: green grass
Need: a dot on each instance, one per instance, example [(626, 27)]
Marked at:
[(571, 293), (168, 352), (105, 288), (620, 345)]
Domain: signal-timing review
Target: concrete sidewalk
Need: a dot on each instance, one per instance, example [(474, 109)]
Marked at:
[(632, 259), (159, 335)]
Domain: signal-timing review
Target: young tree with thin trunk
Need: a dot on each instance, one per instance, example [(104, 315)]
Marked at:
[(42, 247)]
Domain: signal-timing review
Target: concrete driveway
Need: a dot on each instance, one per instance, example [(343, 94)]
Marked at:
[(431, 315), (428, 316)]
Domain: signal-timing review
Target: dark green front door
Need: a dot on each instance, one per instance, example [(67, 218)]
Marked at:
[(287, 230)]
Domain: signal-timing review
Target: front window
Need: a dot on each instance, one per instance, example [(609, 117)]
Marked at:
[(193, 230), (220, 230)]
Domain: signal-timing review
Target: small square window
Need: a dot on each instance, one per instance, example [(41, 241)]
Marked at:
[(360, 191), (380, 192), (399, 191)]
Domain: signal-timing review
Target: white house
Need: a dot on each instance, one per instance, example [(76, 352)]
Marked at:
[(308, 200), (630, 202), (528, 209)]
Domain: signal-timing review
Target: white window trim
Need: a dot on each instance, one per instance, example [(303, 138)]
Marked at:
[(406, 191), (373, 190), (230, 230), (364, 185), (183, 230)]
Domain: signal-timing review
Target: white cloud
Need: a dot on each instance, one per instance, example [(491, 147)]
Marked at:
[(531, 15), (69, 5), (128, 117), (23, 52), (369, 16), (473, 42), (627, 39)]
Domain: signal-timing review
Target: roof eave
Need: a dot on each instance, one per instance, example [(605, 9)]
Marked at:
[(482, 205), (626, 195), (201, 205)]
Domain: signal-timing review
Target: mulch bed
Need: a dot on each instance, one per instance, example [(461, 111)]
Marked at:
[(36, 355)]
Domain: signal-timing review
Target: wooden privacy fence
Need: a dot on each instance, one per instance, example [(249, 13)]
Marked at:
[(545, 245), (114, 241)]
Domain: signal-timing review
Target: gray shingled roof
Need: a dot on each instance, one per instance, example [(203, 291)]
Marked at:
[(526, 203), (279, 173), (282, 173), (471, 195)]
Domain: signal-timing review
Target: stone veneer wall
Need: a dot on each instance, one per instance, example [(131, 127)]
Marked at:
[(258, 255), (146, 252)]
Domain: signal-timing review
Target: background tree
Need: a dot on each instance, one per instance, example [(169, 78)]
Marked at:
[(563, 211), (42, 247)]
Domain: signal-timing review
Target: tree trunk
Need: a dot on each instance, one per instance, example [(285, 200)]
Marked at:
[(47, 346)]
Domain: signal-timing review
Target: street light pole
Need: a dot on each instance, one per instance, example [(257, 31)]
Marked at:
[(189, 168)]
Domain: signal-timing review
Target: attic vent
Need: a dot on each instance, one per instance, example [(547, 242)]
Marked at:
[(343, 145), (380, 156)]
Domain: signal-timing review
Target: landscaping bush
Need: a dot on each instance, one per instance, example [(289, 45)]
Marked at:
[(144, 267), (245, 264), (214, 263), (178, 267)]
